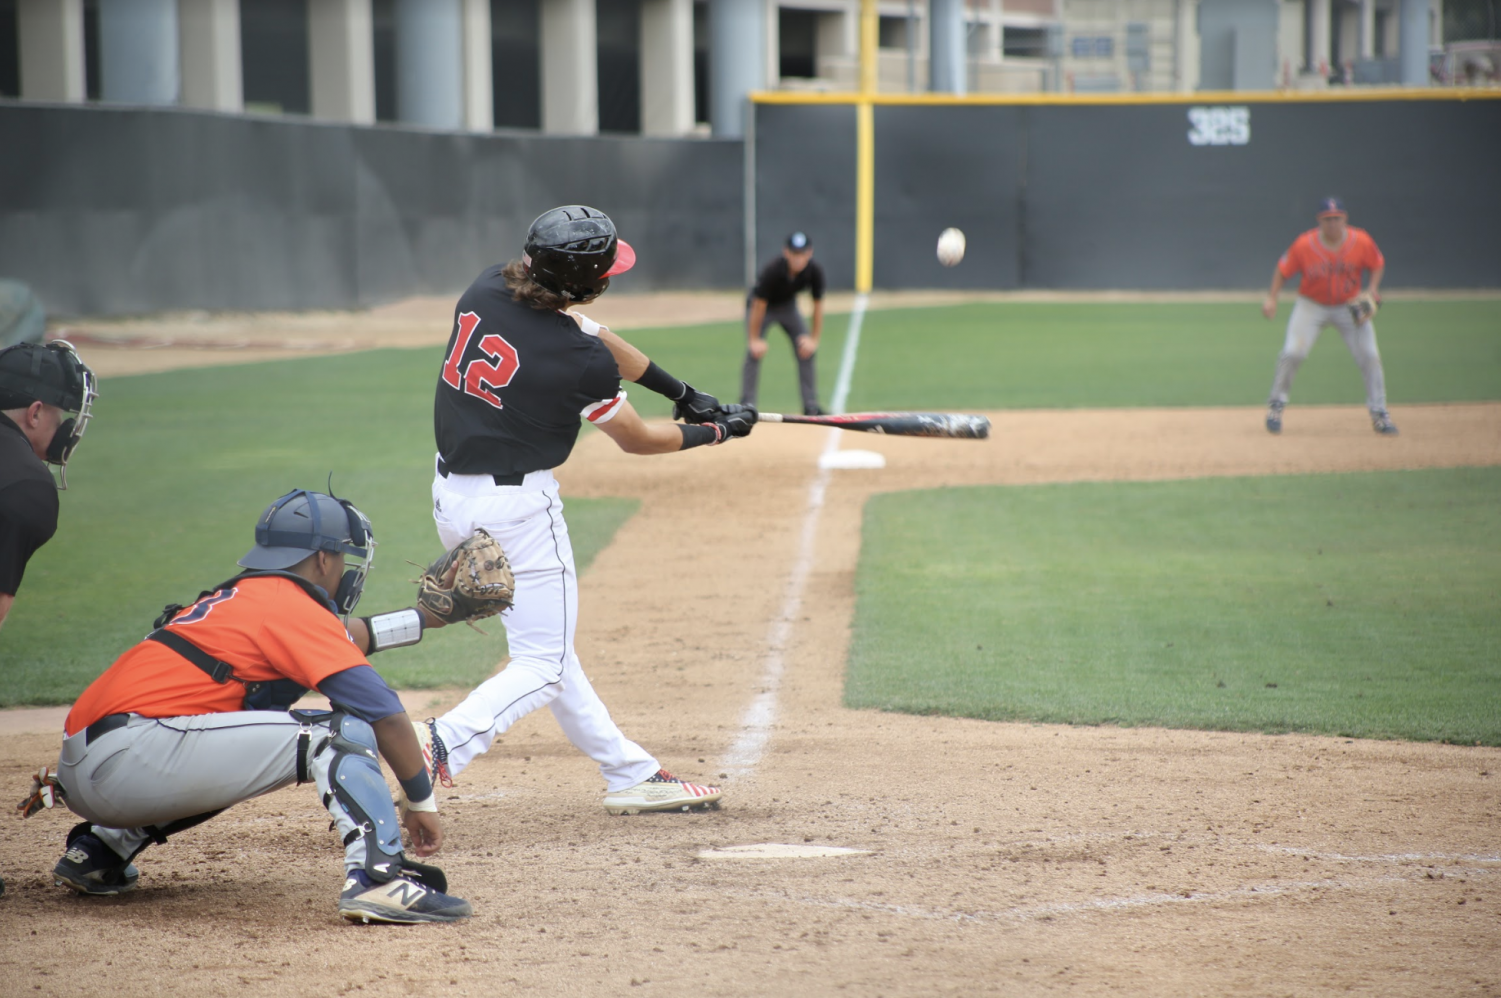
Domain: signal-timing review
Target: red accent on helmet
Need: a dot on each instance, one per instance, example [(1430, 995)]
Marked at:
[(625, 259)]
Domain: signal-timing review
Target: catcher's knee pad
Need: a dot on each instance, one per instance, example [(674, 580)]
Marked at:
[(355, 776)]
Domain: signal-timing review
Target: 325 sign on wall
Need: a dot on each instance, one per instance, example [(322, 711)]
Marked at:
[(1219, 126)]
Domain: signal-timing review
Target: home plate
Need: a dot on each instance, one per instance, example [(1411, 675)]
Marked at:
[(774, 850), (847, 459)]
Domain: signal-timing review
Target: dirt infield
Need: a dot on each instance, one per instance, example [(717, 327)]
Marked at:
[(996, 858)]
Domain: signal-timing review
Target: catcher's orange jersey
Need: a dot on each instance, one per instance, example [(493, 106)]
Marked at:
[(267, 628), (1331, 276)]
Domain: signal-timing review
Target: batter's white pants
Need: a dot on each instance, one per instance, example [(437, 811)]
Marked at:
[(527, 520), (1303, 327)]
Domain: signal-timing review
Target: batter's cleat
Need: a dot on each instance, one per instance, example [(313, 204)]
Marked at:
[(1274, 417), (91, 867), (402, 901), (1382, 423), (662, 792), (434, 752)]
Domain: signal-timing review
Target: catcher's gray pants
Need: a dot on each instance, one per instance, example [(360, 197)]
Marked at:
[(157, 770), (791, 320), (1303, 331)]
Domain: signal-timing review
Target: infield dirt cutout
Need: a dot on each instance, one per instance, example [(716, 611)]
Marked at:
[(1011, 859)]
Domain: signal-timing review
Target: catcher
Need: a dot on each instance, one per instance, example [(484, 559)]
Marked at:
[(1331, 259), (196, 718)]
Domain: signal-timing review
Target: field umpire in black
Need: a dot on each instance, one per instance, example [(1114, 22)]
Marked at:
[(774, 299), (46, 393)]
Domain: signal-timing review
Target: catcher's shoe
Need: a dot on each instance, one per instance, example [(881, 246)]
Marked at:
[(91, 867), (402, 901), (1382, 423), (662, 792), (434, 752), (1274, 417)]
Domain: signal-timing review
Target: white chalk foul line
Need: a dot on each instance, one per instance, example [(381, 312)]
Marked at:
[(760, 716)]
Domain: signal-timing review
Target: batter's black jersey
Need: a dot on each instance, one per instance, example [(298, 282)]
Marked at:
[(517, 383), (28, 505), (778, 287)]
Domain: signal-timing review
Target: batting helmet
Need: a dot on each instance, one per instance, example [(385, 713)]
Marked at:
[(573, 251), (302, 522)]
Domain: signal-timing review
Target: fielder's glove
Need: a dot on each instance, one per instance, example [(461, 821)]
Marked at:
[(733, 421), (470, 582), (1362, 307), (695, 406)]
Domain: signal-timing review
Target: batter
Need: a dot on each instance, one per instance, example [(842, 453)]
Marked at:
[(1331, 259), (520, 375)]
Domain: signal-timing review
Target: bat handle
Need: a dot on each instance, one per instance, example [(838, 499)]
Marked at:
[(769, 417)]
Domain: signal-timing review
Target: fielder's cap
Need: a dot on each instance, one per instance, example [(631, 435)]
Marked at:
[(301, 522), (799, 241), (1331, 206)]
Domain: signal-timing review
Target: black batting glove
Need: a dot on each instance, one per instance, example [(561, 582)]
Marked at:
[(734, 421), (695, 406)]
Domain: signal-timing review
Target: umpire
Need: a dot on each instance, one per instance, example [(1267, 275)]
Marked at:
[(774, 299), (46, 394)]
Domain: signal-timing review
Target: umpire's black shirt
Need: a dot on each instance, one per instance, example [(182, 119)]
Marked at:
[(28, 505), (778, 287), (517, 383)]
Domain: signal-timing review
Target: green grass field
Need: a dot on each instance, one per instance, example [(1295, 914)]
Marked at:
[(1358, 604), (1086, 355), (164, 493), (177, 466)]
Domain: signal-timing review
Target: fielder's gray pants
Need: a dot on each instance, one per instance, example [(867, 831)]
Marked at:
[(787, 316), (157, 770), (1303, 327)]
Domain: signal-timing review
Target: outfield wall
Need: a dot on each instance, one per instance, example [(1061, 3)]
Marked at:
[(1161, 195), (124, 210)]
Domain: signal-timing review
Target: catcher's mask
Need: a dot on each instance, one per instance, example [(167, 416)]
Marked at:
[(302, 521), (573, 251), (55, 375)]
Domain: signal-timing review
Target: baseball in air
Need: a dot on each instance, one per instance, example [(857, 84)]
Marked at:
[(950, 247)]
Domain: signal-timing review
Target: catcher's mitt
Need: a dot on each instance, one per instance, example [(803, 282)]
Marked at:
[(1362, 307), (470, 582)]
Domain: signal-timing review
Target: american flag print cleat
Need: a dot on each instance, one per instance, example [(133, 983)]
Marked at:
[(434, 752), (662, 792)]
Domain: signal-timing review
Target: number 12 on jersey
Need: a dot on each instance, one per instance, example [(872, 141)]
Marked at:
[(479, 376)]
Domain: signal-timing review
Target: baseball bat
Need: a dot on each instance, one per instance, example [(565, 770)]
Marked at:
[(900, 424)]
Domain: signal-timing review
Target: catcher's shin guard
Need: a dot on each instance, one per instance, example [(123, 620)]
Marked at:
[(355, 780)]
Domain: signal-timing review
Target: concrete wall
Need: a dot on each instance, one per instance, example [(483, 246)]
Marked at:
[(1152, 196), (129, 210)]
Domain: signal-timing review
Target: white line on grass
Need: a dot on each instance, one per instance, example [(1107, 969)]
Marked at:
[(757, 721)]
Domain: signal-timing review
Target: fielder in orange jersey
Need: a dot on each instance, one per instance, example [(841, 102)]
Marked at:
[(1332, 259), (196, 718)]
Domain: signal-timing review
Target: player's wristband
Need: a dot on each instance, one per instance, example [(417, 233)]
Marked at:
[(700, 434), (418, 789), (659, 381), (393, 630)]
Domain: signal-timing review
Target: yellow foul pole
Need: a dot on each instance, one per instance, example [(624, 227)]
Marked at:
[(865, 150)]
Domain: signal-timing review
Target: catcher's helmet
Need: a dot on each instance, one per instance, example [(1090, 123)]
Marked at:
[(301, 522), (54, 375), (573, 251)]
